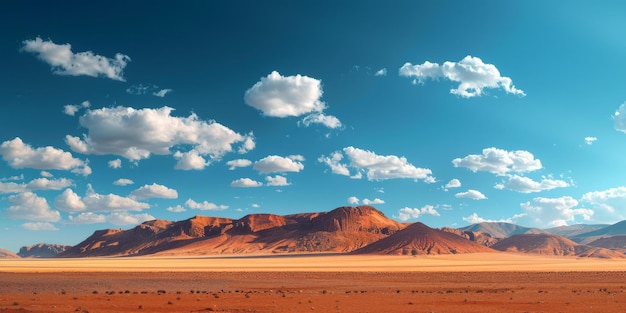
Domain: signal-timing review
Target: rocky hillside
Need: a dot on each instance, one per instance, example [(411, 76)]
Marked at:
[(42, 250)]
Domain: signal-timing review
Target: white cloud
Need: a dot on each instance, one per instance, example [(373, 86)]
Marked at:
[(619, 118), (46, 174), (320, 118), (526, 185), (125, 218), (471, 73), (612, 200), (71, 109), (154, 191), (37, 226), (116, 218), (277, 181), (475, 219), (255, 205), (29, 206), (471, 194), (123, 182), (20, 155), (65, 62), (238, 163), (204, 206), (12, 187), (353, 200), (282, 96), (375, 201), (49, 184), (69, 201), (407, 213), (189, 161), (499, 162), (453, 183), (137, 133), (377, 167), (245, 182), (161, 93), (278, 164), (334, 163), (554, 211), (176, 209), (94, 202), (381, 72), (117, 163), (590, 140)]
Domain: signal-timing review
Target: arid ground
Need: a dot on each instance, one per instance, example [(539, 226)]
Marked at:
[(490, 282)]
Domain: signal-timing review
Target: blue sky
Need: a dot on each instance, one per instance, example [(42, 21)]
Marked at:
[(449, 113)]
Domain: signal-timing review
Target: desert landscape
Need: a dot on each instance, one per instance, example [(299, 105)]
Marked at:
[(351, 259)]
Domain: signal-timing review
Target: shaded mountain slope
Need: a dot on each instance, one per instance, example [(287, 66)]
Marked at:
[(6, 254), (42, 250), (547, 244), (613, 242), (341, 230), (611, 230), (475, 236), (419, 239), (574, 230)]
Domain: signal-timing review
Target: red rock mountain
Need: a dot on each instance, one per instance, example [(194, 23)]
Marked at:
[(475, 236), (419, 239), (547, 244), (341, 230)]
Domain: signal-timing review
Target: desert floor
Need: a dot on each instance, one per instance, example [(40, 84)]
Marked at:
[(492, 282)]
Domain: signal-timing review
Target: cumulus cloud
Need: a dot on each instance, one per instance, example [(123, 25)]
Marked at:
[(282, 96), (499, 162), (277, 180), (204, 206), (65, 62), (320, 118), (117, 163), (453, 183), (285, 96), (555, 211), (116, 218), (471, 194), (353, 200), (137, 133), (94, 202), (590, 140), (161, 93), (475, 219), (12, 187), (245, 182), (471, 73), (381, 72), (35, 184), (20, 155), (123, 182), (375, 201), (71, 109), (279, 164), (176, 209), (611, 201), (46, 174), (376, 167), (69, 201), (29, 206), (154, 191), (526, 185), (38, 226), (238, 163), (407, 213), (619, 118)]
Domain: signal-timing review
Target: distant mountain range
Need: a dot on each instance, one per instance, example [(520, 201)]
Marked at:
[(356, 230)]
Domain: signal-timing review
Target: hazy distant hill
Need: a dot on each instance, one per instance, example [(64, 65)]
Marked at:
[(418, 239), (574, 230), (548, 244), (613, 242), (501, 229), (42, 250), (611, 230), (475, 236), (6, 254)]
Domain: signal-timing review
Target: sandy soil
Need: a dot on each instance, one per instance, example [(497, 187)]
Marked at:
[(320, 283)]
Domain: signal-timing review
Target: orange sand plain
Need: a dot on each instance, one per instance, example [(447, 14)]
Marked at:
[(491, 282)]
